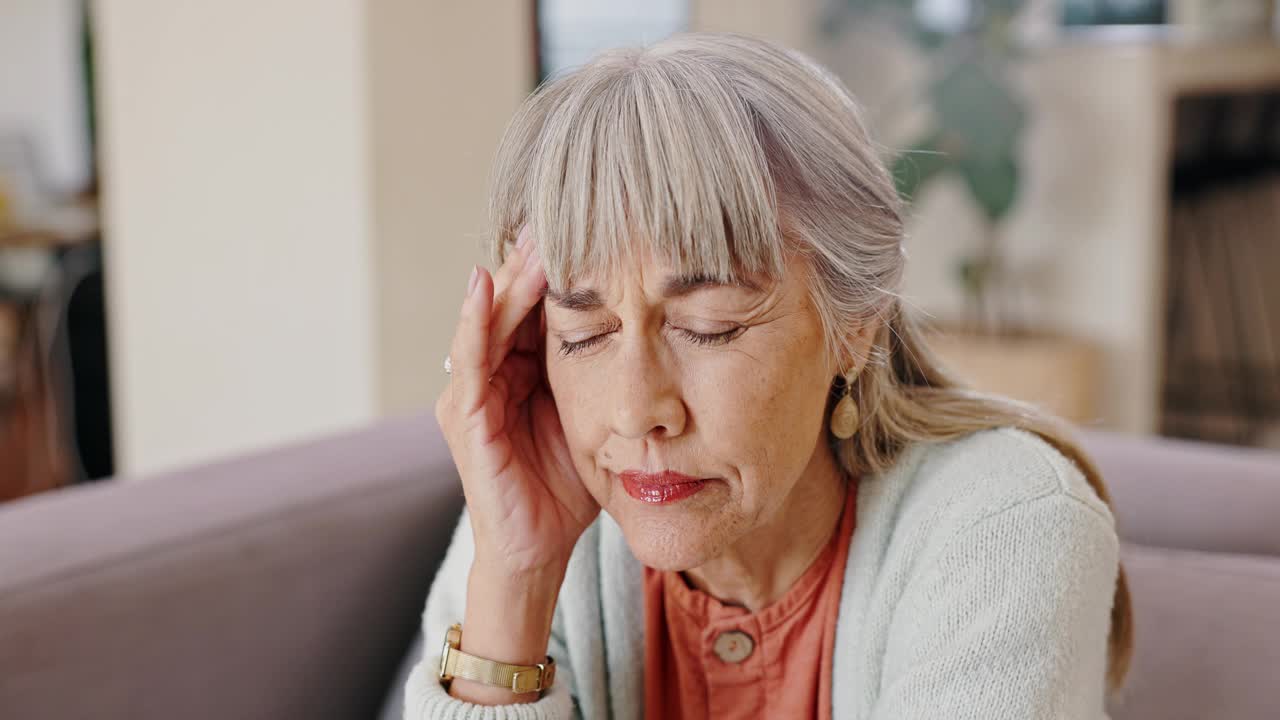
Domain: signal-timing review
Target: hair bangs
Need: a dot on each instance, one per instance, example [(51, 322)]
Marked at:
[(639, 155)]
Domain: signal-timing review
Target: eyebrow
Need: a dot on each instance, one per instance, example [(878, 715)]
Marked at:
[(587, 299), (584, 299)]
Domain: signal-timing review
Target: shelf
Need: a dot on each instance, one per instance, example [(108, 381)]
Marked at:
[(1211, 67), (1184, 61)]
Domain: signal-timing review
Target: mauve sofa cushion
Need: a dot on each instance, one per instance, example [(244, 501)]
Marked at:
[(285, 584), (1207, 636), (1191, 495)]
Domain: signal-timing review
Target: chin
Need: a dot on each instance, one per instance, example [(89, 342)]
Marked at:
[(670, 543)]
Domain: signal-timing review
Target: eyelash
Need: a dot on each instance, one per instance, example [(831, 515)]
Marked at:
[(568, 348)]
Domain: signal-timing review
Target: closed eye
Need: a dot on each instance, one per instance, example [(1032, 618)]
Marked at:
[(719, 338), (573, 347)]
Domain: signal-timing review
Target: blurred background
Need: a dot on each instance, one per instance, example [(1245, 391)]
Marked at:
[(229, 225), (234, 237)]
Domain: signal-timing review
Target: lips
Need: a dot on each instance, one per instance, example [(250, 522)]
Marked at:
[(662, 487)]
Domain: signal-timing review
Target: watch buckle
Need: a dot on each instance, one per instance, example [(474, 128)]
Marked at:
[(530, 680)]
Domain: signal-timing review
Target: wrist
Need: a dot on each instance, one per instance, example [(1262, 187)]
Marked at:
[(508, 616), (507, 619), (499, 563)]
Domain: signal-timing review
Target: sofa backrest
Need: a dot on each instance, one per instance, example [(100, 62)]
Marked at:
[(283, 585), (1201, 531), (1190, 495)]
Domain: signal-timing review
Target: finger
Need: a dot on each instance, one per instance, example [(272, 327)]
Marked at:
[(512, 263), (469, 353), (546, 418), (540, 346), (519, 372), (526, 339), (513, 305)]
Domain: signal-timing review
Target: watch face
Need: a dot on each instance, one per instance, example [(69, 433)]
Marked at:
[(444, 659), (452, 639)]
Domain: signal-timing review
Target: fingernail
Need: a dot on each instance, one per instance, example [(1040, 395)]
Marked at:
[(471, 284), (523, 237)]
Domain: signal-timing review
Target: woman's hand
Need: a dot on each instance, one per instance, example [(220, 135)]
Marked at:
[(527, 505)]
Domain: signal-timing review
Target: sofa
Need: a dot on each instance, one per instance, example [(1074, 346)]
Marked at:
[(289, 583)]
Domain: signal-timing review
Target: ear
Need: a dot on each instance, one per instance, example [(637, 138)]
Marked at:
[(858, 351)]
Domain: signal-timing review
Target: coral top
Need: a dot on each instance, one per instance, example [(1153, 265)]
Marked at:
[(707, 659)]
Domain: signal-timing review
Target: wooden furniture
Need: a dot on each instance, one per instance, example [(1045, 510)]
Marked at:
[(38, 272), (1057, 374)]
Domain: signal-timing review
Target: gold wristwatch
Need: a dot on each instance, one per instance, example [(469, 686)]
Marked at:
[(517, 678)]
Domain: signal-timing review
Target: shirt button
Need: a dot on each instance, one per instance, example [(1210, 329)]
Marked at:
[(734, 646)]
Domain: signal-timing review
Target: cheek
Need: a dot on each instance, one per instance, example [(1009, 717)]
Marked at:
[(573, 387), (763, 417)]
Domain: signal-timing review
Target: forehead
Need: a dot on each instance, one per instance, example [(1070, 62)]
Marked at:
[(661, 279)]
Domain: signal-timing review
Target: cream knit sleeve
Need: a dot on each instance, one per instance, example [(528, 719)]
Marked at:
[(426, 699), (1007, 619)]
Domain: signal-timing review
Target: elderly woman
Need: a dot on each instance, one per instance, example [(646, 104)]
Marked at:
[(696, 329)]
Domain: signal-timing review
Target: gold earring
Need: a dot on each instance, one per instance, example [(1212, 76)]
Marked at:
[(844, 418)]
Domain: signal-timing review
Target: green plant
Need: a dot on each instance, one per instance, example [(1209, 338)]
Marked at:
[(979, 116)]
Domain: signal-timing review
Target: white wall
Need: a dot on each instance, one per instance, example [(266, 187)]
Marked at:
[(237, 224), (294, 196), (42, 93), (445, 78), (793, 23)]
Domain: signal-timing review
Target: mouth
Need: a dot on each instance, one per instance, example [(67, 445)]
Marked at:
[(661, 488)]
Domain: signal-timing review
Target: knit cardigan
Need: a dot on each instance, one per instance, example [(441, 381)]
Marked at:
[(979, 585)]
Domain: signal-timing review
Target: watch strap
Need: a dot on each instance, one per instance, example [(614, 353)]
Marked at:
[(517, 678)]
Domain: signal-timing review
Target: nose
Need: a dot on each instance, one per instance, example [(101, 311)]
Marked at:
[(645, 398)]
